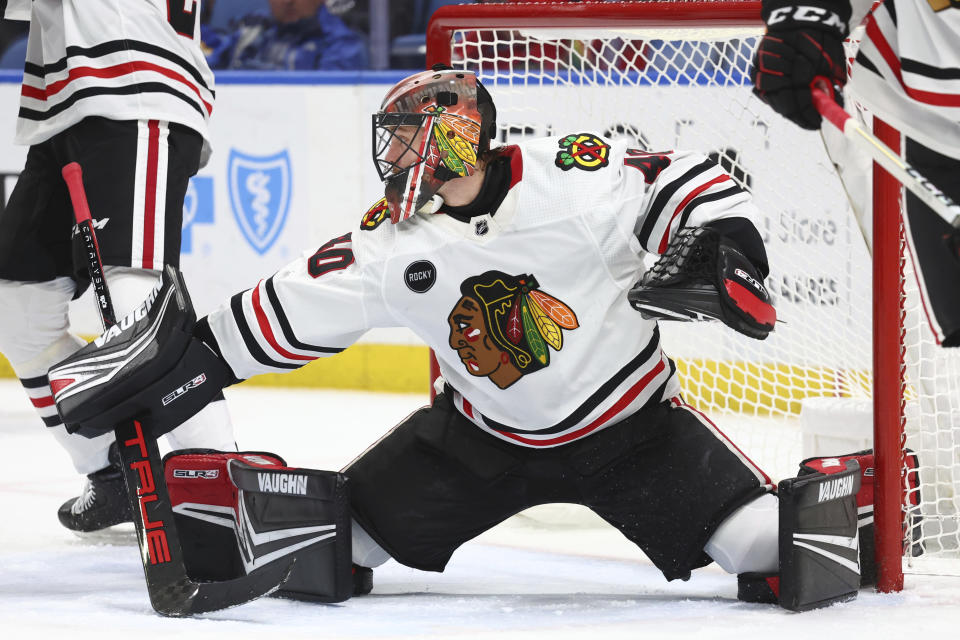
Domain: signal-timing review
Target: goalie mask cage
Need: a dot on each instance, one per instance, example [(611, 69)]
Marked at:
[(853, 345)]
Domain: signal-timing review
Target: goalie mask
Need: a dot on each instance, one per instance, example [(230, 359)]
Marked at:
[(432, 127)]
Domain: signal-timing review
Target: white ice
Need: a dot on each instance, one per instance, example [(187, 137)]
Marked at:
[(520, 580)]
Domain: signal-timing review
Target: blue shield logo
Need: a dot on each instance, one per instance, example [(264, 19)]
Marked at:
[(197, 209), (260, 189)]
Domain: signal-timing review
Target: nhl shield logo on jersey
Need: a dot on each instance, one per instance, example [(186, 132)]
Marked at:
[(260, 188), (503, 326), (376, 214), (584, 151)]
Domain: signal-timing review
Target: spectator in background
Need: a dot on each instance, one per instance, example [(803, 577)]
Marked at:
[(294, 35)]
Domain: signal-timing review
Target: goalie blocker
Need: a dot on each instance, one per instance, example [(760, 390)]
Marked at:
[(238, 512), (149, 366)]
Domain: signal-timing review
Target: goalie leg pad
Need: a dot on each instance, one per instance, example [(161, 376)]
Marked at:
[(819, 562), (237, 512), (835, 464)]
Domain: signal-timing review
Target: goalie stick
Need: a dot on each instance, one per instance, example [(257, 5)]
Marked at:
[(171, 591), (909, 177)]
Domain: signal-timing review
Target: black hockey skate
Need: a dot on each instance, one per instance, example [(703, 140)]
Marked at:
[(103, 502), (362, 580)]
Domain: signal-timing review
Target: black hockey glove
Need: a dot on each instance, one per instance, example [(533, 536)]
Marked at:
[(702, 277), (804, 40), (149, 366)]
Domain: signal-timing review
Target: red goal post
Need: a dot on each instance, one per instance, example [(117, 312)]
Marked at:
[(501, 42)]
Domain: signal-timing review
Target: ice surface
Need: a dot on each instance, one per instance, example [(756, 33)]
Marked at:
[(520, 580)]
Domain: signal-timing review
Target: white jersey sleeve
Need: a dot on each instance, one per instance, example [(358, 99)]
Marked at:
[(316, 306), (664, 192)]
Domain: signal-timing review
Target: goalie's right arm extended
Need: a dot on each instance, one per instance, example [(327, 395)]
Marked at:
[(152, 366)]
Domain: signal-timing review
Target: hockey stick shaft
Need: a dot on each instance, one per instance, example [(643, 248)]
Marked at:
[(171, 591), (143, 473), (73, 176), (942, 204)]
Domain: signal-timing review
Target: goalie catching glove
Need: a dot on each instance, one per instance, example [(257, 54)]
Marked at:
[(149, 366), (702, 277)]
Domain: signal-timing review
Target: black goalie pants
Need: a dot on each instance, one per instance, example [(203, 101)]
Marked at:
[(664, 477)]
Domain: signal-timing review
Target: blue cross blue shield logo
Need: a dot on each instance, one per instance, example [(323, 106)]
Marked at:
[(197, 209), (260, 189)]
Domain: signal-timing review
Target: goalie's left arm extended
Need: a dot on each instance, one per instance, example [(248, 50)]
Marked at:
[(704, 276), (712, 260)]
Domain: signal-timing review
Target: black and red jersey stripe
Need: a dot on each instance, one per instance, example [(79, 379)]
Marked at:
[(179, 71), (897, 66), (261, 325), (573, 427), (693, 179)]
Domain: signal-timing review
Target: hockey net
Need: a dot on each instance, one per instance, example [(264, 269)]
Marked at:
[(675, 75)]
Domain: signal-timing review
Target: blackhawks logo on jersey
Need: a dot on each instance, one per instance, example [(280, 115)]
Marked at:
[(584, 151), (503, 326), (376, 214)]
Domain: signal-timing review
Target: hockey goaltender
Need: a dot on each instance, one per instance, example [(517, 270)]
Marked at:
[(521, 266)]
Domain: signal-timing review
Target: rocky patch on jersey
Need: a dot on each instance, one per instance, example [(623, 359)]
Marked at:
[(419, 276), (376, 214), (583, 151), (503, 326)]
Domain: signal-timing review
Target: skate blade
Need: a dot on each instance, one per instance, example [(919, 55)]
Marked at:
[(119, 535)]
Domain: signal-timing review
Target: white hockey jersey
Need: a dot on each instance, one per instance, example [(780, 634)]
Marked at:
[(907, 69), (526, 309), (119, 59)]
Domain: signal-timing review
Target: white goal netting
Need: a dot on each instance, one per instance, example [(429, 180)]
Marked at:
[(806, 389)]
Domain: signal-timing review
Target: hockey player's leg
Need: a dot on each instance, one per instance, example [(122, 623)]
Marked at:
[(220, 498), (673, 481), (675, 461), (34, 335), (815, 520), (748, 540), (865, 495), (431, 484), (367, 555), (103, 502), (936, 259)]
